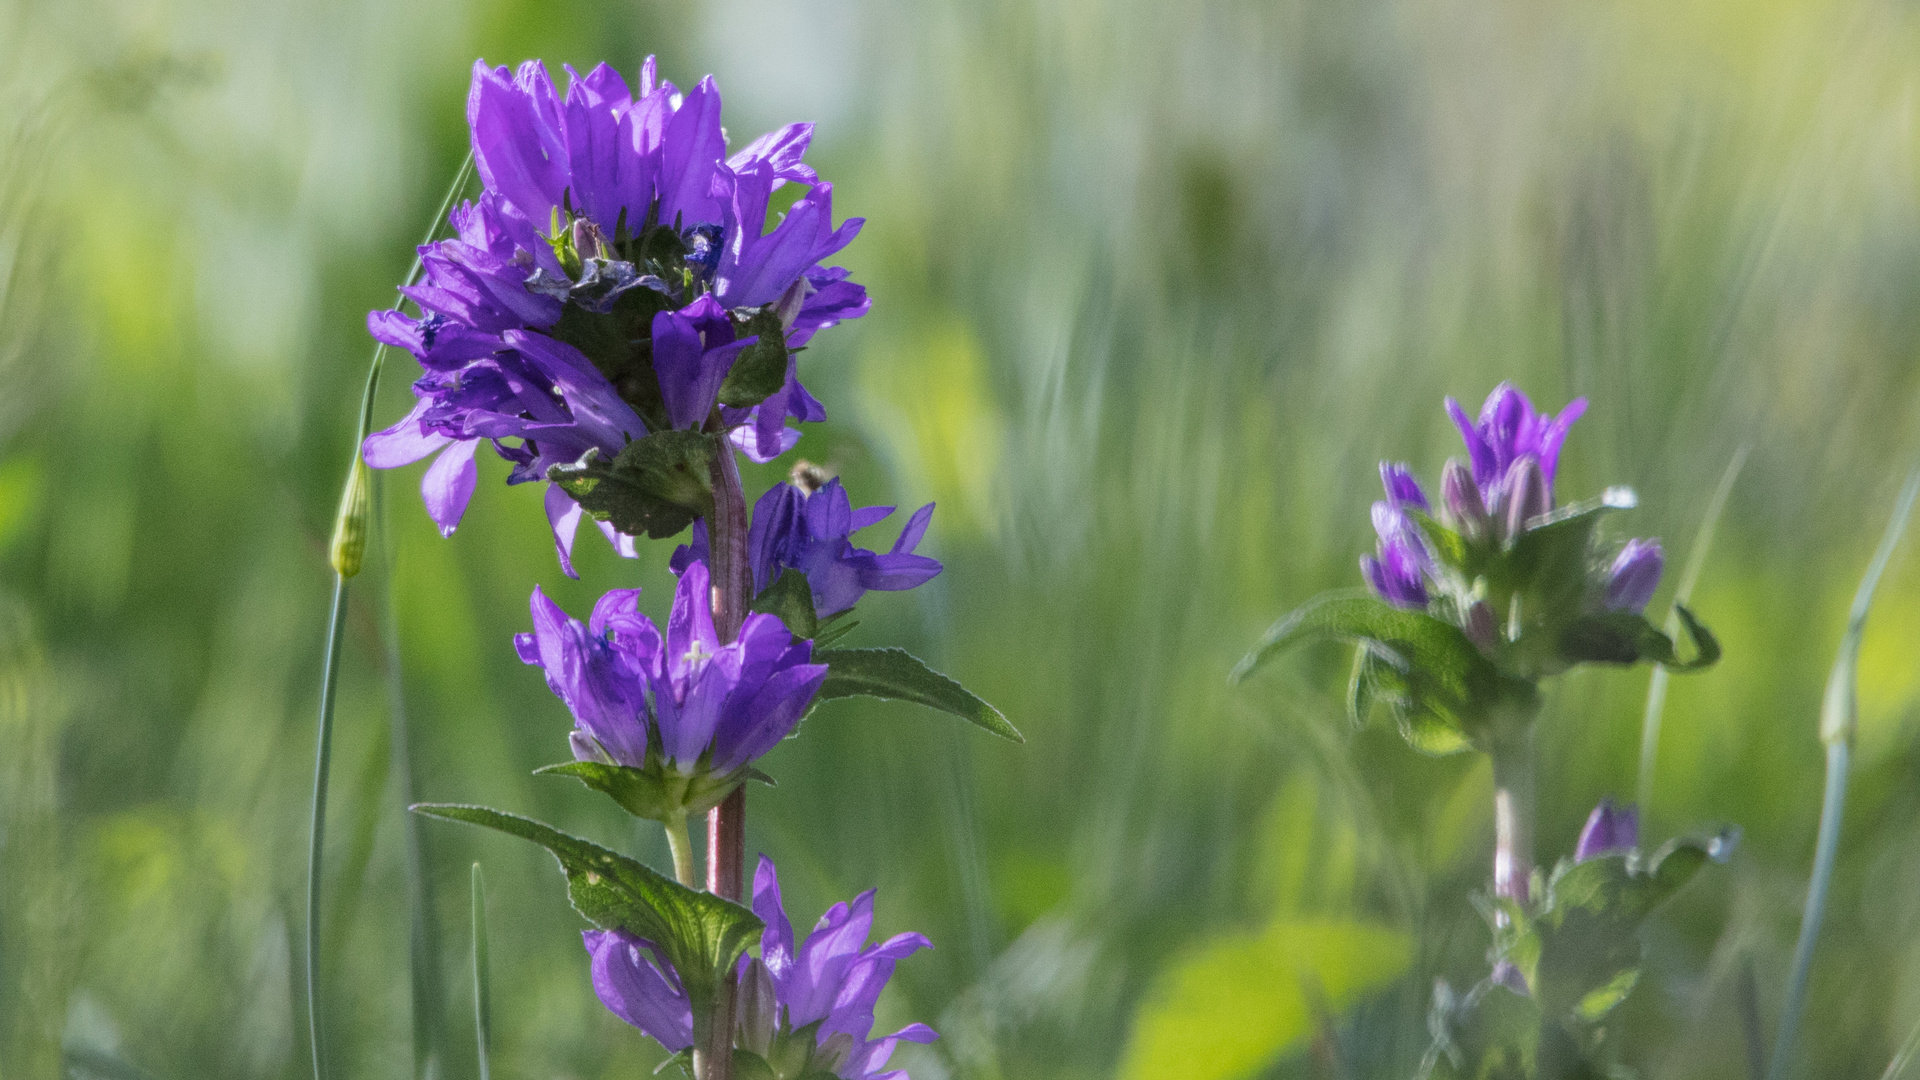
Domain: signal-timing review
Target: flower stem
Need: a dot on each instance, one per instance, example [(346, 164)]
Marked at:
[(482, 985), (680, 842), (726, 823), (1513, 814)]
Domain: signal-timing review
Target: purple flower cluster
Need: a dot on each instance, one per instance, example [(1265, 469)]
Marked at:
[(684, 699), (793, 529), (1514, 453), (832, 979), (571, 185)]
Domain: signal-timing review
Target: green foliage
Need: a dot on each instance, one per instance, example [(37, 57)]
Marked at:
[(1235, 1002), (761, 368), (1578, 949), (700, 934), (1445, 694), (657, 792), (791, 598), (655, 487), (898, 675)]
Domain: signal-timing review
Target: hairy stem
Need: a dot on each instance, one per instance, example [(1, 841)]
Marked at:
[(680, 842), (726, 823), (1513, 814)]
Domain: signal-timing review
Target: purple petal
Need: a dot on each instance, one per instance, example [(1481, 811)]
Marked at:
[(449, 484), (563, 515), (1485, 468), (776, 941), (1635, 575), (516, 150), (1401, 486), (630, 985), (404, 443)]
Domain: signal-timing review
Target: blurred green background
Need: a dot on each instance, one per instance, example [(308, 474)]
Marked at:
[(1155, 287)]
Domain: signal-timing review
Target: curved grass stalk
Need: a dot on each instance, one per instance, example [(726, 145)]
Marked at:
[(1689, 576), (346, 550), (482, 984), (1838, 718)]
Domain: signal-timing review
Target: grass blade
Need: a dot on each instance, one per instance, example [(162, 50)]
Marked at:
[(482, 987), (1683, 593), (344, 552), (1838, 714)]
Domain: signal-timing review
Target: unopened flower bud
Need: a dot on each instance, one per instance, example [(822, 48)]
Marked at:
[(759, 1012), (1634, 575), (1611, 829), (1460, 500), (352, 521), (834, 1052), (1505, 974), (1482, 628), (1527, 496), (790, 302)]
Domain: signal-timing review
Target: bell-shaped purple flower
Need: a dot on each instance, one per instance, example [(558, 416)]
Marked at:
[(1611, 829), (832, 978), (1634, 575), (640, 698), (811, 533), (1508, 428)]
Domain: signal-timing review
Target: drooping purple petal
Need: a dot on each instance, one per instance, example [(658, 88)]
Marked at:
[(639, 988), (449, 483)]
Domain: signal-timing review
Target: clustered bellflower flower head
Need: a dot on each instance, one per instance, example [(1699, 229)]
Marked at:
[(807, 526), (1476, 556), (605, 282), (806, 1008), (689, 713)]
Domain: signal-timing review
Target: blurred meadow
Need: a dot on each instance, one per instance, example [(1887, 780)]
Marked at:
[(1155, 287)]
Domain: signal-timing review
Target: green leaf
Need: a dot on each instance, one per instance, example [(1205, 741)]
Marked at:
[(1624, 637), (701, 934), (832, 629), (1601, 1000), (1229, 1007), (657, 793), (898, 675), (1440, 685), (761, 368), (655, 488), (791, 598)]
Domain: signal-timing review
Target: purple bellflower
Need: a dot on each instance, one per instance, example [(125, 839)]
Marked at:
[(831, 979), (1399, 568), (1612, 829), (1510, 431), (680, 701), (564, 176), (810, 533)]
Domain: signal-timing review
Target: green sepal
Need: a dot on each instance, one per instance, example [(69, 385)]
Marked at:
[(657, 792), (898, 675), (655, 487), (748, 1065), (760, 370), (701, 935), (832, 629), (791, 598)]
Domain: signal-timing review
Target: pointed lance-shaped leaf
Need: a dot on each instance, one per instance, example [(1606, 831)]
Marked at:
[(761, 368), (791, 598), (701, 934), (898, 675)]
